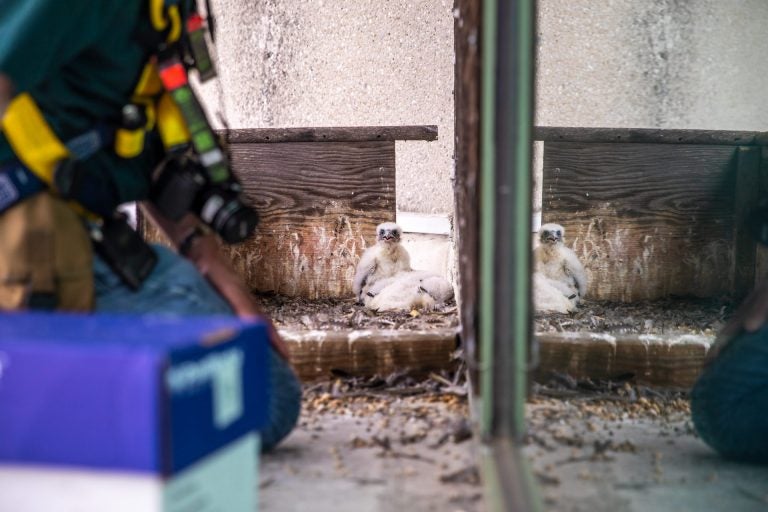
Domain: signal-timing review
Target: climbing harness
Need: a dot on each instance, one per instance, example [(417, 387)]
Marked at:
[(162, 102)]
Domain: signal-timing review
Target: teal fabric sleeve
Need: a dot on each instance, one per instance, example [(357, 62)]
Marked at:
[(80, 60), (37, 37)]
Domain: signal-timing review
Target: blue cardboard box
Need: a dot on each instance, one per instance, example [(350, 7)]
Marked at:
[(128, 393)]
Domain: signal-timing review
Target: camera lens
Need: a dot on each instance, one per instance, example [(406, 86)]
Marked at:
[(181, 187), (238, 224), (223, 211)]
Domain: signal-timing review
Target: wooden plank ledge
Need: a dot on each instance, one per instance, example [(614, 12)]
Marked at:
[(648, 135), (659, 360), (332, 134), (319, 354)]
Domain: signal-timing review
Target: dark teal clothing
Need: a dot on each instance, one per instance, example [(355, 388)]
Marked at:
[(729, 403), (80, 60)]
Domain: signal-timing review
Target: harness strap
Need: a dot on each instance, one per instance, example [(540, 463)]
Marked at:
[(16, 184), (87, 144), (40, 151), (171, 124), (32, 138), (165, 16), (38, 148)]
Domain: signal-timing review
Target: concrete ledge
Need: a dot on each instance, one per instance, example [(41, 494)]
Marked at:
[(321, 354), (423, 223), (668, 361)]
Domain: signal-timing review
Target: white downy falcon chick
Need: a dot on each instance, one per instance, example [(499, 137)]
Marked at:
[(559, 264), (549, 296), (401, 292), (415, 289), (385, 259)]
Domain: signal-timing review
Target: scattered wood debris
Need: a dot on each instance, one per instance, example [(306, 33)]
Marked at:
[(612, 400), (424, 417), (468, 475), (578, 426), (674, 315), (606, 445), (382, 435)]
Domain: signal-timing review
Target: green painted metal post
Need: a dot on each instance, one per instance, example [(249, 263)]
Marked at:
[(505, 220), (505, 250), (487, 215)]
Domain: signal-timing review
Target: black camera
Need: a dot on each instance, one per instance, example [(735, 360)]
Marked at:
[(122, 249), (182, 186)]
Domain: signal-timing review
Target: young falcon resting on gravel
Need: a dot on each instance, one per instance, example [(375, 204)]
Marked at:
[(559, 264), (385, 259), (415, 289), (549, 297)]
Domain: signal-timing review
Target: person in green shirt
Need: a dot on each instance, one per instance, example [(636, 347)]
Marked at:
[(80, 62), (730, 399)]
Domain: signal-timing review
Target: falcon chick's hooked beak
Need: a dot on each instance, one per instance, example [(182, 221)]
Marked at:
[(388, 232), (551, 234)]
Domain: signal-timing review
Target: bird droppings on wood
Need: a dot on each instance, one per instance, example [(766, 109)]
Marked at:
[(637, 239)]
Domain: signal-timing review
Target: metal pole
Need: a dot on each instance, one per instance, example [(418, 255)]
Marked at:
[(505, 245)]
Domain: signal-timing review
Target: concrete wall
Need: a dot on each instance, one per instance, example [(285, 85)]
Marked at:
[(689, 64), (324, 63), (623, 63), (653, 63)]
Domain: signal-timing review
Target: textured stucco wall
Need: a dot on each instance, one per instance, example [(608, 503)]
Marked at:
[(323, 63), (623, 63), (688, 64), (653, 63)]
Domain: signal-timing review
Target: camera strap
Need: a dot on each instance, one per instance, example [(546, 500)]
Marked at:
[(204, 141)]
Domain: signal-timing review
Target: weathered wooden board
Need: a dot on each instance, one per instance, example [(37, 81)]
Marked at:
[(323, 354), (748, 163), (467, 186), (332, 134), (649, 136), (319, 205), (761, 271), (647, 220), (669, 361)]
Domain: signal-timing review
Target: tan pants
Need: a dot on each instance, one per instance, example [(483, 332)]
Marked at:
[(44, 249)]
